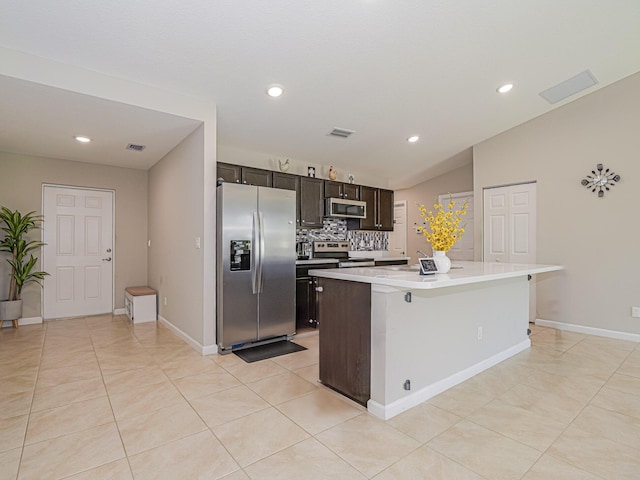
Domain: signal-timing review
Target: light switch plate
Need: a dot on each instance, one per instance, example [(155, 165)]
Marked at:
[(635, 312)]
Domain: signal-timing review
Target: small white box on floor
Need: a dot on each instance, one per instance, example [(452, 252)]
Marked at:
[(140, 304)]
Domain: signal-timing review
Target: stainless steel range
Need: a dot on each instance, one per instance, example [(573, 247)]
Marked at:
[(340, 250)]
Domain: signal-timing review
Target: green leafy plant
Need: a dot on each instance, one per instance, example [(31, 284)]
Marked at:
[(16, 227)]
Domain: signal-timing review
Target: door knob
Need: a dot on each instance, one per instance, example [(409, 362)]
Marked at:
[(108, 259)]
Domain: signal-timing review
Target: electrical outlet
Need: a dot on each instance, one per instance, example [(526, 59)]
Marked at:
[(635, 312), (197, 242), (165, 301), (480, 333)]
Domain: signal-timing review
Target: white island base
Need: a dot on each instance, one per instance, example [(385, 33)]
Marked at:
[(441, 338), (429, 334)]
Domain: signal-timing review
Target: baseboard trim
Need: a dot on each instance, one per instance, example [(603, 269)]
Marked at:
[(193, 343), (23, 321), (600, 332), (120, 311), (386, 412)]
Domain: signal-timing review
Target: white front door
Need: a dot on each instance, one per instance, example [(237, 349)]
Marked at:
[(78, 255), (398, 238), (463, 248), (510, 228)]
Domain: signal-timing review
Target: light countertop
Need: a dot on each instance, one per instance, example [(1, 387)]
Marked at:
[(391, 259), (316, 261), (408, 276)]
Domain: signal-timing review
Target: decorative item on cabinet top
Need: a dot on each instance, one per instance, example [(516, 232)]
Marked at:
[(600, 181), (284, 166)]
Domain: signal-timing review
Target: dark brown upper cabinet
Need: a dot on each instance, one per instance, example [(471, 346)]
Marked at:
[(335, 189), (245, 175), (229, 173), (311, 202), (257, 177), (379, 209)]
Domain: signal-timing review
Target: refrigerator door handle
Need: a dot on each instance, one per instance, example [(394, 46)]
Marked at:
[(255, 256), (261, 247)]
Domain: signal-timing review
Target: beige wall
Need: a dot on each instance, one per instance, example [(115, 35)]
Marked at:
[(458, 180), (596, 239), (21, 179), (176, 267)]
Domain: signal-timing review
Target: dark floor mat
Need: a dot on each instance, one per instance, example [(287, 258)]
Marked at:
[(269, 350)]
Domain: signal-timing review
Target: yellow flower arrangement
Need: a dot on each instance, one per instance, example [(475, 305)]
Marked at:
[(444, 227)]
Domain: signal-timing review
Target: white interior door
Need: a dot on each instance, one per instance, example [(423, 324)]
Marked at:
[(398, 238), (510, 228), (78, 233), (510, 224), (463, 249)]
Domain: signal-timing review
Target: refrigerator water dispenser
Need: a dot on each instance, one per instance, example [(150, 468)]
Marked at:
[(240, 255)]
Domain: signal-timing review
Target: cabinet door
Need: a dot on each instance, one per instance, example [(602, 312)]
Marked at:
[(369, 195), (311, 202), (351, 191), (344, 318), (257, 177), (332, 189), (385, 210), (305, 303), (229, 173), (287, 181)]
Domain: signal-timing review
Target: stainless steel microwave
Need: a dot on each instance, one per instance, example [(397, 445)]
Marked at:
[(343, 208)]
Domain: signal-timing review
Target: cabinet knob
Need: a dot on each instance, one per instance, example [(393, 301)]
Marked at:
[(244, 181), (319, 289)]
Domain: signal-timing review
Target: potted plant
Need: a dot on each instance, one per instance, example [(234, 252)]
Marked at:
[(16, 226)]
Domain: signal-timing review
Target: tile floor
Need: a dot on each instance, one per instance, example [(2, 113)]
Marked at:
[(98, 398)]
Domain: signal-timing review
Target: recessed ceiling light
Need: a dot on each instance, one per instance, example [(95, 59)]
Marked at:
[(275, 90), (505, 88), (413, 139), (82, 139)]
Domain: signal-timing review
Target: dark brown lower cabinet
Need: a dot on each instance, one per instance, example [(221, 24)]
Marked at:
[(344, 320)]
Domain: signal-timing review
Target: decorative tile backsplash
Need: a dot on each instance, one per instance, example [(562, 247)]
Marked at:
[(364, 240), (336, 229)]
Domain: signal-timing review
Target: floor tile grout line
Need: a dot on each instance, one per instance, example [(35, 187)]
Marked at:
[(113, 413)]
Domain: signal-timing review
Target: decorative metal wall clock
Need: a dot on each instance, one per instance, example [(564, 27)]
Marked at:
[(600, 181)]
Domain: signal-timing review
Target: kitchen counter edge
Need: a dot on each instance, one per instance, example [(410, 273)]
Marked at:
[(470, 272)]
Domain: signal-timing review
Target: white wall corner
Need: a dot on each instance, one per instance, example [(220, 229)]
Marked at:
[(197, 346)]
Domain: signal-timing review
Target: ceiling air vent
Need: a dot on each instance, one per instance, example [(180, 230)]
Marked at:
[(340, 132), (569, 87), (135, 148)]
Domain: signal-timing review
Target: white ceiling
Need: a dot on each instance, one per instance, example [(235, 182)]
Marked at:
[(386, 69), (41, 120)]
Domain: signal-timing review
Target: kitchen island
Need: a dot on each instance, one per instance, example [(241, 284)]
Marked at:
[(391, 338)]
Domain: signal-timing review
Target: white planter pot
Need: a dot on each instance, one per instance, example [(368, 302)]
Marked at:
[(10, 310)]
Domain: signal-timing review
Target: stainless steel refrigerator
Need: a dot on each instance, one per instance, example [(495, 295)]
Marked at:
[(256, 265)]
